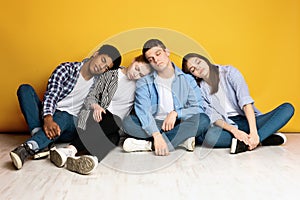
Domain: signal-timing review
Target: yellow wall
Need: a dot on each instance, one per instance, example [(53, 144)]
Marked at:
[(261, 38)]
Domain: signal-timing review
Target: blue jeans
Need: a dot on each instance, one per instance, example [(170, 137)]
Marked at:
[(195, 126), (267, 124), (31, 107)]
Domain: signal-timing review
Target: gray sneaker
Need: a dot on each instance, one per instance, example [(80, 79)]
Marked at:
[(85, 164), (189, 144), (20, 154)]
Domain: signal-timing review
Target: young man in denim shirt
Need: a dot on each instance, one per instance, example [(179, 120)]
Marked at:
[(168, 106)]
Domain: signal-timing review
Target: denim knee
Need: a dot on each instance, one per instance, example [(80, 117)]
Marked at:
[(24, 89), (212, 136), (204, 120), (289, 109), (128, 123)]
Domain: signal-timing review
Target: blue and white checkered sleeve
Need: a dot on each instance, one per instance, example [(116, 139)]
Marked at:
[(54, 89)]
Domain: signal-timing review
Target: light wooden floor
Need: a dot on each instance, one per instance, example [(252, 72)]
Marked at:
[(265, 173)]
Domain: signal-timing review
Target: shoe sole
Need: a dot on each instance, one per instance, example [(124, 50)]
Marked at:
[(192, 146), (133, 145), (16, 160), (41, 155), (233, 146), (56, 158), (82, 165)]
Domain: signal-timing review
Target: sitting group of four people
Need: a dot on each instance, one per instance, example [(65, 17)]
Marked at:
[(152, 103)]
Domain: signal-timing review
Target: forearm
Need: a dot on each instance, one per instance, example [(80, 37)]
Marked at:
[(149, 125), (48, 108), (249, 113), (253, 135), (91, 100), (238, 134), (155, 134), (224, 125), (193, 104), (50, 103), (55, 90), (142, 108)]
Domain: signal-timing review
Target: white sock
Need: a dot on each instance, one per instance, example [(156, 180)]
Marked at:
[(35, 130), (30, 145)]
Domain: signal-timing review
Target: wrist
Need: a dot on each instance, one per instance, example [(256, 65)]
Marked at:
[(94, 106), (233, 130), (48, 118), (253, 133), (155, 134), (175, 113)]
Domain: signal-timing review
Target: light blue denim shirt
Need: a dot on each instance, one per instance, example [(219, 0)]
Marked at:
[(236, 90), (187, 99)]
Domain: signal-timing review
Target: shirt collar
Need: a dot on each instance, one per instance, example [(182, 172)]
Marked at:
[(177, 71)]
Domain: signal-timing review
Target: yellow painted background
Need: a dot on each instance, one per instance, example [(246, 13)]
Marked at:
[(260, 38)]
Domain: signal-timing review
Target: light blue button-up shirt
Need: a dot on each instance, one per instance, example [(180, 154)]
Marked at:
[(236, 90), (187, 98)]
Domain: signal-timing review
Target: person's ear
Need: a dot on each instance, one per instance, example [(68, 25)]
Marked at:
[(95, 54), (167, 51)]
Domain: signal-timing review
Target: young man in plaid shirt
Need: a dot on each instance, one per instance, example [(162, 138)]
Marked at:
[(55, 118)]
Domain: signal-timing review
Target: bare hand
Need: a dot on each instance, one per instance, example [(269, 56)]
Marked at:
[(241, 135), (51, 128), (253, 140), (169, 122), (160, 145), (97, 114)]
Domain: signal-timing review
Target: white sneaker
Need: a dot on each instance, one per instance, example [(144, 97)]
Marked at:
[(131, 145), (59, 156), (85, 164), (189, 144)]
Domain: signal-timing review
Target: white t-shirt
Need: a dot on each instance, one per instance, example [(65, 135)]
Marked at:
[(225, 102), (122, 101), (72, 102), (166, 104)]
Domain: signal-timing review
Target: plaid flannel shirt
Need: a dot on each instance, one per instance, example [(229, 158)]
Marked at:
[(60, 84)]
